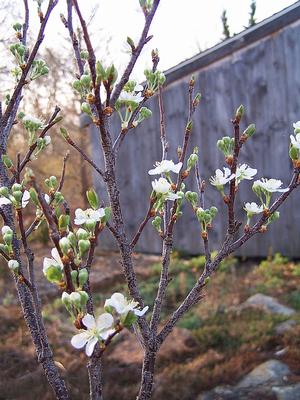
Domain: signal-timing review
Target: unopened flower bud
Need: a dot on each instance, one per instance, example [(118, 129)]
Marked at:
[(63, 223), (75, 299), (82, 234), (14, 266), (86, 108), (64, 244), (84, 297), (72, 239), (83, 246), (83, 276), (65, 298), (74, 276), (84, 55), (107, 215), (156, 223), (192, 160), (86, 81)]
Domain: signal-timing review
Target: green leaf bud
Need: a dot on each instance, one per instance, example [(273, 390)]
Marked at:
[(107, 215), (84, 55), (4, 191), (93, 198), (64, 133), (213, 211), (63, 222), (294, 153), (34, 196), (86, 81), (250, 130), (17, 27), (129, 319), (7, 161), (239, 113)]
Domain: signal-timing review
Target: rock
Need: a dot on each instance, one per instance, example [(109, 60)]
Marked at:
[(285, 326), (291, 392), (268, 304), (129, 351), (271, 371), (218, 393)]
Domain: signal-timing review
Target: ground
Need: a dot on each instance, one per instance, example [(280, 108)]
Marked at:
[(217, 343)]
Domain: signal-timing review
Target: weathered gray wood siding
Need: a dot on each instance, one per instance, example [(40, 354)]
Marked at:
[(260, 70)]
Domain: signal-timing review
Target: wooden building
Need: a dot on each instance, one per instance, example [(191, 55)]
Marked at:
[(259, 68)]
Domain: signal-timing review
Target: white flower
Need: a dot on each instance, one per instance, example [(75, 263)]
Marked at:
[(296, 125), (253, 208), (130, 97), (270, 185), (138, 88), (5, 229), (165, 166), (245, 172), (296, 140), (221, 178), (89, 215), (96, 330), (4, 201), (122, 306), (47, 139), (161, 186), (54, 261), (32, 120), (25, 199)]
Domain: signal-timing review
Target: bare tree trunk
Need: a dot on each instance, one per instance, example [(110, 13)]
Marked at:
[(147, 376)]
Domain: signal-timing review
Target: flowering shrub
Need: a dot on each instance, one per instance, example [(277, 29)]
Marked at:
[(103, 91)]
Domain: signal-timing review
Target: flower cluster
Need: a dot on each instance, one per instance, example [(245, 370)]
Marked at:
[(126, 313)]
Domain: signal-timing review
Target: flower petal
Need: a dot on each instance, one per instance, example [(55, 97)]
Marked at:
[(89, 321), (105, 321), (89, 348), (139, 313), (79, 341), (4, 201)]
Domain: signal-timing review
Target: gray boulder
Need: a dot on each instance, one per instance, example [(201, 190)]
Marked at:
[(267, 304), (291, 392)]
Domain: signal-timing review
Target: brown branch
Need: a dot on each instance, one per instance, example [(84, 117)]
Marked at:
[(86, 157), (168, 238), (232, 226), (134, 56), (52, 121), (22, 82), (148, 216), (195, 294), (63, 171)]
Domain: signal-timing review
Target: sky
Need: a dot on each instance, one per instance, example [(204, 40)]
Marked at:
[(180, 29)]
